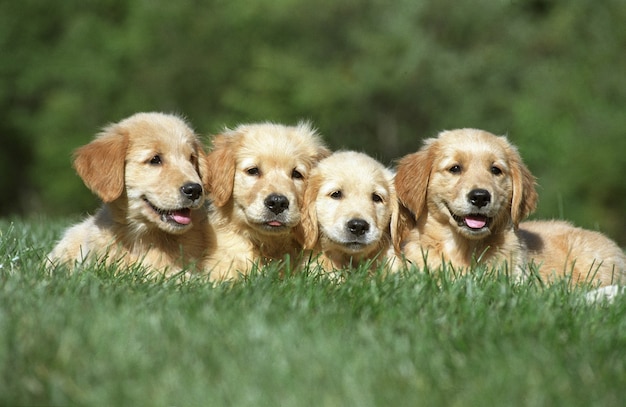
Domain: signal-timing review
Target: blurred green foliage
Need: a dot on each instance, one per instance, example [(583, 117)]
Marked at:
[(372, 75)]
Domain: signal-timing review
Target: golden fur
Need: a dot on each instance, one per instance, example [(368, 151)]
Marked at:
[(257, 175), (146, 170), (349, 205), (467, 190), (559, 249)]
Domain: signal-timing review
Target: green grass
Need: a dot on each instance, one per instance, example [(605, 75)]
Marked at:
[(104, 337)]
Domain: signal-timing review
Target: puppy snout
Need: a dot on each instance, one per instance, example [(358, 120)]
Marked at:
[(191, 190), (479, 197), (358, 227), (276, 203)]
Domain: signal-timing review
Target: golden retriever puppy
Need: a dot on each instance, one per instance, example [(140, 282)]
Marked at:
[(558, 249), (349, 206), (257, 174), (146, 170), (467, 190)]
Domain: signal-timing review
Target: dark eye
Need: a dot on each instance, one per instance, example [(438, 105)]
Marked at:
[(253, 171), (495, 170), (295, 174), (156, 160), (193, 159), (336, 195), (455, 169), (377, 198)]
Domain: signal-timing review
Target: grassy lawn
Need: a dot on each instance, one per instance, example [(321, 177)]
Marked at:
[(116, 338)]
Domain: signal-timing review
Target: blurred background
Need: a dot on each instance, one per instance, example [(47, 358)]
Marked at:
[(373, 75)]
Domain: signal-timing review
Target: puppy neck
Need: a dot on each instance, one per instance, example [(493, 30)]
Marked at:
[(437, 238), (276, 247)]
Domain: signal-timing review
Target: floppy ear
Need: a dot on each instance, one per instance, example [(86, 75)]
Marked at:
[(220, 170), (322, 152), (402, 221), (412, 176), (406, 223), (308, 221), (201, 166), (395, 229), (524, 200), (101, 163)]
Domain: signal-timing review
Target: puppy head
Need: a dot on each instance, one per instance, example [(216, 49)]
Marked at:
[(259, 172), (349, 204), (148, 166), (471, 179)]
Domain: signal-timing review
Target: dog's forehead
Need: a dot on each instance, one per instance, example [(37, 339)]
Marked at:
[(472, 146), (162, 137), (271, 160), (276, 146), (354, 171), (354, 185)]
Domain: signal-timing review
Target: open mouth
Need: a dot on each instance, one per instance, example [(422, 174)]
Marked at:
[(472, 221), (177, 217)]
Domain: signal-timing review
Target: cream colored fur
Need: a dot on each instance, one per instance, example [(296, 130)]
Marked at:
[(141, 168), (558, 249), (350, 204), (437, 184), (248, 167)]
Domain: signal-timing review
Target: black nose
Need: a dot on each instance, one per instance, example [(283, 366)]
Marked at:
[(358, 227), (191, 190), (479, 197), (276, 203)]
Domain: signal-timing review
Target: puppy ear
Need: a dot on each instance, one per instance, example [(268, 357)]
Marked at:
[(308, 220), (322, 152), (395, 223), (220, 170), (201, 166), (406, 223), (402, 221), (101, 163), (411, 181), (525, 197)]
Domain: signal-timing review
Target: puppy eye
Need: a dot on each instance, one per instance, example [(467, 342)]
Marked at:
[(455, 169), (156, 160), (336, 195), (253, 171), (193, 159), (377, 198), (295, 174), (495, 170)]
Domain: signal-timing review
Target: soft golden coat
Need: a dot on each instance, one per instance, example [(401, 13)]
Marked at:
[(558, 249), (466, 190), (257, 174), (146, 170), (350, 204)]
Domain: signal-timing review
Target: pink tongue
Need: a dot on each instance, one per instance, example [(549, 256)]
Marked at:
[(182, 216), (475, 222), (274, 223)]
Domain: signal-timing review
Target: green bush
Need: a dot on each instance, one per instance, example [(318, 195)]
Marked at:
[(372, 76)]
